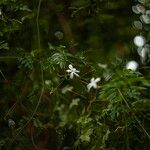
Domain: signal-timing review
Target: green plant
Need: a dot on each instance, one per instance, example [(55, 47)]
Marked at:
[(73, 88)]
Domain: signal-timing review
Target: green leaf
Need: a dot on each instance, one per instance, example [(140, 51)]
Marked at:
[(85, 136), (74, 102), (4, 45)]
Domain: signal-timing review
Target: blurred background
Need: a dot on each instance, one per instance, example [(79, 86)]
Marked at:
[(51, 34)]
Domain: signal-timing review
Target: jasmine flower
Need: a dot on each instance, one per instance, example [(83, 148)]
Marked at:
[(72, 71), (93, 83)]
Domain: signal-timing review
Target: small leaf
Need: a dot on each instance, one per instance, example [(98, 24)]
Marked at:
[(4, 46), (74, 102), (85, 136)]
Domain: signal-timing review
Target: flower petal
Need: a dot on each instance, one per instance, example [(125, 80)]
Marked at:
[(76, 74), (71, 75), (97, 79), (92, 79), (70, 67), (94, 85), (68, 70), (77, 71), (89, 86)]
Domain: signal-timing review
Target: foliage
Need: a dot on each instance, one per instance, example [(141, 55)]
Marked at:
[(42, 107)]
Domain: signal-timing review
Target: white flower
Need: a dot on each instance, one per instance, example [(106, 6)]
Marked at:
[(139, 41), (72, 71), (146, 17), (11, 123), (138, 9), (132, 65), (93, 83), (143, 53)]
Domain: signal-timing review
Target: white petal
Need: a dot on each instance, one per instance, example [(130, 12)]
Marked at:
[(77, 71), (68, 70), (76, 74), (97, 79), (71, 75), (70, 67), (89, 86), (94, 86), (92, 79)]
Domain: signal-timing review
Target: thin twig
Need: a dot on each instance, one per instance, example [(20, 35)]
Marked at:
[(78, 94), (37, 23), (42, 89), (32, 139)]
